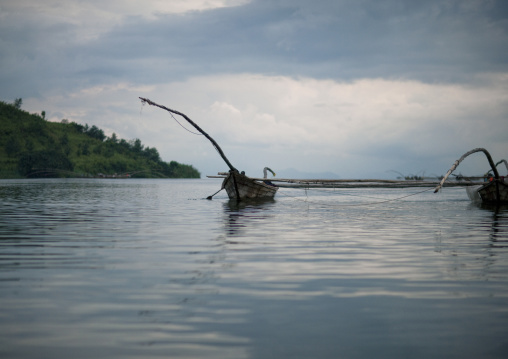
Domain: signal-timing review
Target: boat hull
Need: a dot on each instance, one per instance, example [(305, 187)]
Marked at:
[(240, 187), (494, 192), (473, 194)]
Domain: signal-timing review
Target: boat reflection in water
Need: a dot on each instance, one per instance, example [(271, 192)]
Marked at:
[(239, 215)]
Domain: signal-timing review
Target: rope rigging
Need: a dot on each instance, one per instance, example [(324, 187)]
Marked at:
[(356, 204), (185, 128)]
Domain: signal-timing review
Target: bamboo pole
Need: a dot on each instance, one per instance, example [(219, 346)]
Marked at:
[(355, 183), (312, 180), (215, 144)]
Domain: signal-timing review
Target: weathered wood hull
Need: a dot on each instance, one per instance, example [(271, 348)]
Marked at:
[(239, 186), (495, 191)]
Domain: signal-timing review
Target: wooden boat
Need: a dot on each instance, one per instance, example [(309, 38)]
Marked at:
[(494, 191), (237, 185)]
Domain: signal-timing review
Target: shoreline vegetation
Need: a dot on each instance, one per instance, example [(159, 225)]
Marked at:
[(32, 147)]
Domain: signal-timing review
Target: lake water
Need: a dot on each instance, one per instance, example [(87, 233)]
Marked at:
[(128, 268)]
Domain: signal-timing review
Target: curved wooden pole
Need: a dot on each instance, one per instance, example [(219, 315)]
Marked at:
[(454, 166), (215, 144), (267, 169), (505, 163)]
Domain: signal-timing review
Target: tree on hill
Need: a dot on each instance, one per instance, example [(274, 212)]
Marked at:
[(96, 132), (17, 103), (43, 163)]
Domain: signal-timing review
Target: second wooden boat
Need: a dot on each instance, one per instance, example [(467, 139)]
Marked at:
[(494, 191)]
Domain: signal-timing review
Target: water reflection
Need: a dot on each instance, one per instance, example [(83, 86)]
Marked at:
[(472, 242), (136, 269), (240, 215), (499, 228), (496, 224)]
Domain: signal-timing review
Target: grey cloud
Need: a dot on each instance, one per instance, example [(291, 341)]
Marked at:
[(429, 41)]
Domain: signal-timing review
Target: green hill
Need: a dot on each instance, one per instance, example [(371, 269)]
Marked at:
[(30, 147)]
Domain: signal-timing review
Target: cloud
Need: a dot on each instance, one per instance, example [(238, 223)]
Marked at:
[(323, 39), (354, 87), (84, 43), (351, 128)]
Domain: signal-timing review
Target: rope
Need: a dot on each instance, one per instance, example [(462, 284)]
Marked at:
[(324, 190), (174, 118), (361, 204), (185, 128)]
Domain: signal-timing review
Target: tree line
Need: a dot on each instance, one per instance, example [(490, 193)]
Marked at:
[(30, 146)]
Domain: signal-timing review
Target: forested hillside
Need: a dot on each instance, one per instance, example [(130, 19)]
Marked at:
[(30, 147)]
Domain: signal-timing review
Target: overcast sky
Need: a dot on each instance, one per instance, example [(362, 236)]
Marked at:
[(357, 88)]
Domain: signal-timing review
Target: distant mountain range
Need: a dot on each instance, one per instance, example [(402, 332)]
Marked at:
[(294, 173)]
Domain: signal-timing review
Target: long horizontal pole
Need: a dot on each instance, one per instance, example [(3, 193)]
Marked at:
[(346, 183)]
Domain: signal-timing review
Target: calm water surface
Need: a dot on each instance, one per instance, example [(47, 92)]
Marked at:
[(150, 269)]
